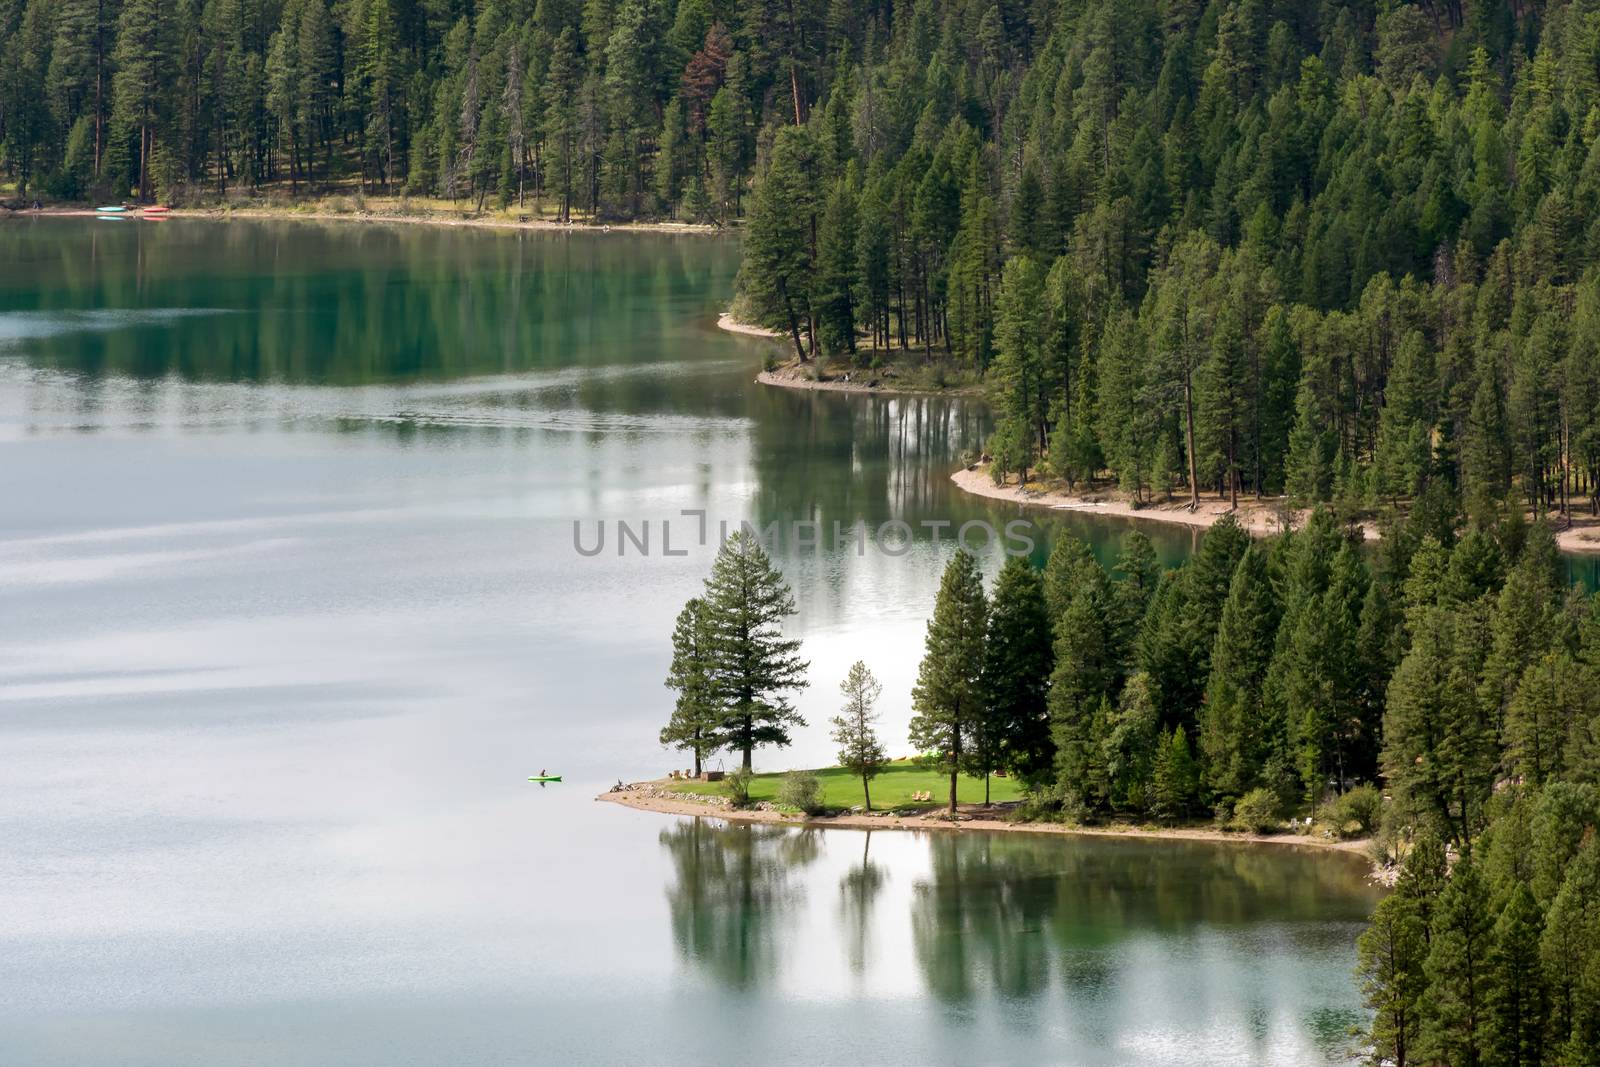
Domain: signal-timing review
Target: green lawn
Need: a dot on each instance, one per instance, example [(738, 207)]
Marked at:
[(892, 788)]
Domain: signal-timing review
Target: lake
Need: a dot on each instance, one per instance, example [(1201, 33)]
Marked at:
[(294, 595)]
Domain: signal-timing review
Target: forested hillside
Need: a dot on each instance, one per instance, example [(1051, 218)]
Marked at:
[(619, 108), (1338, 250)]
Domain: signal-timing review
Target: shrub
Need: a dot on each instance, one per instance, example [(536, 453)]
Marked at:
[(802, 791), (1257, 811), (737, 784), (1222, 814), (1356, 814), (1038, 805)]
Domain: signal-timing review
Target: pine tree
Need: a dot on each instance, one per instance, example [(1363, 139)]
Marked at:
[(380, 79), (1018, 375), (836, 266), (697, 714), (752, 664), (1174, 778), (1123, 746), (948, 697), (1455, 1024), (145, 68), (1392, 950), (1569, 950), (854, 728), (1437, 758), (560, 104), (1087, 673), (1405, 424), (1140, 572), (1309, 474), (1235, 734), (779, 246), (1516, 994), (1322, 682), (1018, 660)]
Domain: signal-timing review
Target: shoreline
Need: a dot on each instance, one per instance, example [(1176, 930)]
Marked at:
[(791, 379), (314, 213), (654, 797), (1262, 518), (726, 321)]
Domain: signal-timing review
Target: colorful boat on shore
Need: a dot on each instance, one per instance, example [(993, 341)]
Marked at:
[(110, 209)]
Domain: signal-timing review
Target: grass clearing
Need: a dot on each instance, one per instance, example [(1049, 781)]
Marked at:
[(892, 788)]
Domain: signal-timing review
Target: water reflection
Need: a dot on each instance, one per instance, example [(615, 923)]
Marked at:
[(1120, 941), (344, 305), (858, 892), (734, 887)]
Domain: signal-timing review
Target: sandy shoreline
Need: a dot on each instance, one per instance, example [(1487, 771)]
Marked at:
[(651, 796), (727, 322), (487, 222), (1260, 518), (788, 378)]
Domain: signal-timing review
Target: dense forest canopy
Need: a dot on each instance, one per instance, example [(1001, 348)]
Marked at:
[(1341, 251)]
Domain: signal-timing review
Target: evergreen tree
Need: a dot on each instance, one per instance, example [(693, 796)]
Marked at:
[(560, 105), (1437, 757), (1018, 378), (752, 664), (779, 244), (948, 698), (1127, 741), (836, 256), (1392, 950), (1174, 778), (1235, 734), (1455, 1024), (855, 728), (697, 714), (1018, 660), (144, 71), (1516, 996)]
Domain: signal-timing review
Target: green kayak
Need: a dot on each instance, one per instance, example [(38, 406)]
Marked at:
[(545, 778)]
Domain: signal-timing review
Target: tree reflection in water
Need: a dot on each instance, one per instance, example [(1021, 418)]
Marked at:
[(1002, 913), (1110, 941), (733, 885), (858, 890)]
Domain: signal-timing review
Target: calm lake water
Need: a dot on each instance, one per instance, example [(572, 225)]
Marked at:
[(290, 607)]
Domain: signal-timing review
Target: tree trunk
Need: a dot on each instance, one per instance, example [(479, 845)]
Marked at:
[(794, 323), (1188, 430), (866, 789), (144, 158)]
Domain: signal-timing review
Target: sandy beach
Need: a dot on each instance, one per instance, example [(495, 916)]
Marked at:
[(727, 322), (1261, 518)]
